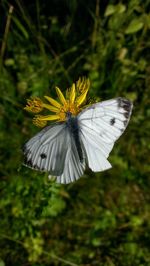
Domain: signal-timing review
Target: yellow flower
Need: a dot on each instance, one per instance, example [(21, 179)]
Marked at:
[(75, 97), (37, 121), (34, 105)]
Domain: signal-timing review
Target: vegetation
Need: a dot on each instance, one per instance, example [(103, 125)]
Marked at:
[(103, 219)]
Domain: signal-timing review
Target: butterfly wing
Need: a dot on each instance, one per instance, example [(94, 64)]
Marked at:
[(100, 126), (47, 150), (73, 167)]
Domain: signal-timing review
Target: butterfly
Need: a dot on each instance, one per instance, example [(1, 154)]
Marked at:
[(65, 149)]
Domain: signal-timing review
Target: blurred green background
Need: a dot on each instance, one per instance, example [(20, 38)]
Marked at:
[(102, 219)]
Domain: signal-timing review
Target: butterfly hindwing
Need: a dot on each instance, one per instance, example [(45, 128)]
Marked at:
[(73, 167)]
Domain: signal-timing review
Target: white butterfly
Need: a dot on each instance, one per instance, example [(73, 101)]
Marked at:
[(64, 149)]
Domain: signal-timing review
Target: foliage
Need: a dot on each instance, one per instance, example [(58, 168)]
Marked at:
[(102, 219)]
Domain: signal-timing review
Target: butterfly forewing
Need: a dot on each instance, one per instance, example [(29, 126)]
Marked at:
[(47, 150), (100, 126), (95, 152)]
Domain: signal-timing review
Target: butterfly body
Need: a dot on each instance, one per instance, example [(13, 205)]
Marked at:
[(73, 126), (64, 149)]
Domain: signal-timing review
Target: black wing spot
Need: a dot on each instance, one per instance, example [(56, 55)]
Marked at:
[(112, 121), (28, 162), (126, 115), (43, 156), (35, 166), (125, 122), (25, 150), (127, 107), (125, 104)]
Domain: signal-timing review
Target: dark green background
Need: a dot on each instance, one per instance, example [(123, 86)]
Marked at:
[(102, 219)]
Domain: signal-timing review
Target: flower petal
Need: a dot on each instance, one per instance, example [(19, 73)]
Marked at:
[(53, 102), (51, 108), (61, 96), (48, 117), (81, 98), (82, 84), (72, 94)]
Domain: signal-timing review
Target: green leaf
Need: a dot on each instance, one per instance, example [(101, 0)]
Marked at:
[(120, 8), (134, 26), (111, 9)]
